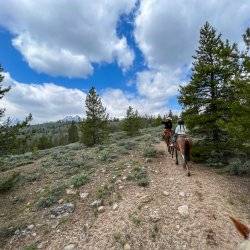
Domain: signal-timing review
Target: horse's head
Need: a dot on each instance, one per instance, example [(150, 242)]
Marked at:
[(245, 232)]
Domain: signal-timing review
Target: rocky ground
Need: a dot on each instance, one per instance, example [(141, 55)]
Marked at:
[(163, 208)]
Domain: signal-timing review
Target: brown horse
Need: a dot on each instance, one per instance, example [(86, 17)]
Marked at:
[(244, 231), (167, 134), (183, 145)]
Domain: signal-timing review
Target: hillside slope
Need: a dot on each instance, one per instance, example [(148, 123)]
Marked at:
[(128, 195)]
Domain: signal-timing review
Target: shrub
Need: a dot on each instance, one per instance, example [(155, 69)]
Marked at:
[(6, 233), (140, 176), (79, 180), (8, 183), (150, 152), (236, 167), (104, 191), (51, 196)]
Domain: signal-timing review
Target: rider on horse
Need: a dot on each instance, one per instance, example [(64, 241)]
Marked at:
[(168, 127), (179, 130)]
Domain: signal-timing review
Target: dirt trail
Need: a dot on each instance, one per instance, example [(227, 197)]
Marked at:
[(148, 218)]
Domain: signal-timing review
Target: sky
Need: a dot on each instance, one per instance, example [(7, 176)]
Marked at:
[(135, 52)]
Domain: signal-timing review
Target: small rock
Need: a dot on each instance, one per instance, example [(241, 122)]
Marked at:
[(126, 247), (147, 160), (55, 225), (84, 195), (128, 166), (120, 187), (171, 178), (70, 191), (183, 210), (17, 232), (154, 216), (30, 227), (118, 181), (63, 209), (41, 244), (60, 201), (166, 193), (101, 209), (124, 177), (34, 234), (115, 206), (96, 203), (182, 194), (70, 247)]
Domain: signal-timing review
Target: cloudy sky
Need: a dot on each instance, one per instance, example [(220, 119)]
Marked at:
[(134, 52)]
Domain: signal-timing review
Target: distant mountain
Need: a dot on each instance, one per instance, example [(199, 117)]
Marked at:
[(70, 118)]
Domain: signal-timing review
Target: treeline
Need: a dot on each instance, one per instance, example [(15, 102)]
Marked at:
[(216, 101)]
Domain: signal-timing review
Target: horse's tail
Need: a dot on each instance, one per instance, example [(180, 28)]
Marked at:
[(187, 150)]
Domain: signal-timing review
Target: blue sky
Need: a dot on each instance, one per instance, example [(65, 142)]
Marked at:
[(134, 52)]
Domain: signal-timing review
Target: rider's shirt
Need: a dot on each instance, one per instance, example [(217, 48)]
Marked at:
[(181, 130)]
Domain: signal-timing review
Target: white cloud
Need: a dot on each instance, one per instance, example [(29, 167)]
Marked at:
[(62, 38), (157, 85), (167, 31), (46, 102), (116, 101)]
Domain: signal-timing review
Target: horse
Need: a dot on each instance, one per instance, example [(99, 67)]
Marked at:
[(183, 145), (245, 232), (167, 134)]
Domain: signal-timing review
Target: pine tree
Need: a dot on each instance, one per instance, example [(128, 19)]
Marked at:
[(73, 133), (205, 99), (238, 126), (95, 127), (3, 91), (132, 122)]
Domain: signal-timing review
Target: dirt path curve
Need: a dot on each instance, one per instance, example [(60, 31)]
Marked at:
[(148, 218)]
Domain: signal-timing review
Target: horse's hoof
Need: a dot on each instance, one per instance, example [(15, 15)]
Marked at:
[(189, 174), (176, 163)]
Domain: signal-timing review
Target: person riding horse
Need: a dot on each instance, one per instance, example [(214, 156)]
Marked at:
[(179, 130), (167, 133)]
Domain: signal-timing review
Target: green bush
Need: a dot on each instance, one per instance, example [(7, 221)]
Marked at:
[(79, 180), (5, 234), (150, 152), (104, 191), (140, 176), (237, 167), (8, 183), (51, 196)]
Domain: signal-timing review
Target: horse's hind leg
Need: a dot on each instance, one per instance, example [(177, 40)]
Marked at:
[(187, 168), (172, 152), (176, 157)]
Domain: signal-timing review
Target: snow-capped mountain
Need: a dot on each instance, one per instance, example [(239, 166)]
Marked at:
[(70, 118)]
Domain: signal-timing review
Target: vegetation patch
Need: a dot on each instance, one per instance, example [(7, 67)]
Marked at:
[(51, 196), (79, 180), (7, 183), (150, 152), (140, 176)]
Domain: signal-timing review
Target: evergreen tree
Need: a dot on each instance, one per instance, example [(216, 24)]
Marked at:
[(2, 90), (95, 127), (10, 139), (73, 133), (212, 86), (132, 122), (44, 142), (238, 126)]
